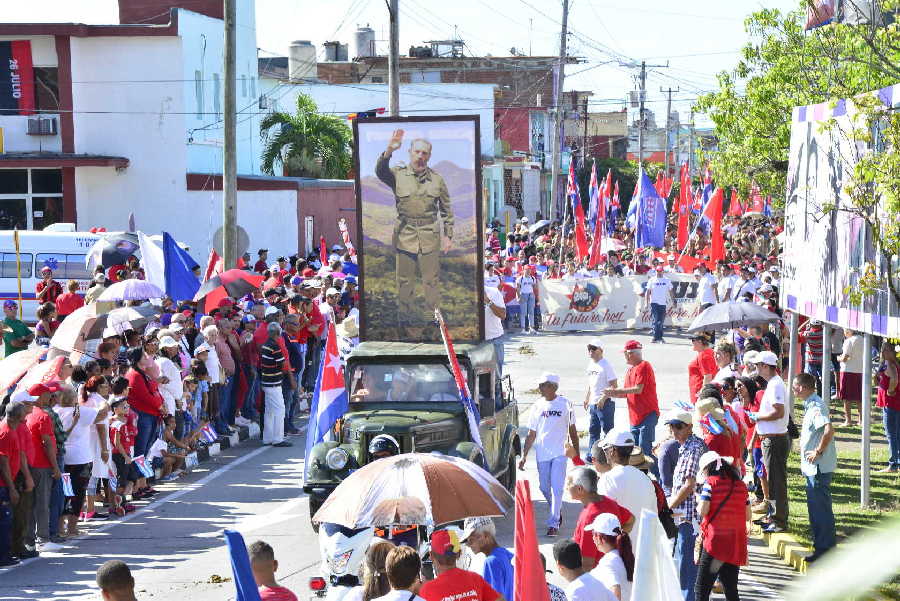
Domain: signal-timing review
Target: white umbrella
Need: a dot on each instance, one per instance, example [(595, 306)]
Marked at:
[(414, 488), (88, 323), (131, 290), (722, 316)]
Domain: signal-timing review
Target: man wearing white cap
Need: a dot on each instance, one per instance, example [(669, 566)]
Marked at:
[(551, 419), (332, 296), (494, 314), (602, 409), (771, 427), (624, 483)]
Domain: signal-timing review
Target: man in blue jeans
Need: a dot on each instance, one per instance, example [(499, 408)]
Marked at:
[(818, 461), (682, 501), (659, 291), (602, 409)]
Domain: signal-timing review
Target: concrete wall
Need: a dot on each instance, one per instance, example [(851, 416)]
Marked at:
[(202, 55), (327, 203)]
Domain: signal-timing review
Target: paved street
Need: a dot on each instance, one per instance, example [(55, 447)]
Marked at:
[(175, 544)]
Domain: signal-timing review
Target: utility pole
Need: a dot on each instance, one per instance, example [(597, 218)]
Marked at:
[(642, 92), (668, 123), (584, 144), (229, 169), (559, 111), (691, 146), (394, 59)]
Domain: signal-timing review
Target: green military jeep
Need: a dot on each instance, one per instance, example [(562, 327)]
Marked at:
[(407, 390)]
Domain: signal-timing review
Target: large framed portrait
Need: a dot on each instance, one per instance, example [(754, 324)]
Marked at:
[(418, 194)]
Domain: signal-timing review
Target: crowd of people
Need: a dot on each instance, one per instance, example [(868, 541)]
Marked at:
[(84, 430)]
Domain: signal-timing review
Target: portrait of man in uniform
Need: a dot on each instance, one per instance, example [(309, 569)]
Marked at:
[(418, 216)]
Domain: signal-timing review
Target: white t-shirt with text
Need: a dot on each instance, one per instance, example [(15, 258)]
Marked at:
[(550, 421), (659, 287)]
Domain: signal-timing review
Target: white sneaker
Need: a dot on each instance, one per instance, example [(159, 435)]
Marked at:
[(50, 547), (242, 421)]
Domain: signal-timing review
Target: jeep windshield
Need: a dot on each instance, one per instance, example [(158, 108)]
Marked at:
[(407, 383)]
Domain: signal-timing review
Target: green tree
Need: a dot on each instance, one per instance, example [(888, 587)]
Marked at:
[(306, 143), (784, 66)]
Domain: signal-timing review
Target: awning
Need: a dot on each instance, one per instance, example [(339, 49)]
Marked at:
[(59, 159)]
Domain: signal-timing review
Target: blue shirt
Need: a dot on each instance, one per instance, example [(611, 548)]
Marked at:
[(815, 418), (498, 571), (350, 268)]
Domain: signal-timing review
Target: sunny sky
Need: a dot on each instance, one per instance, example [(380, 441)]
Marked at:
[(698, 38)]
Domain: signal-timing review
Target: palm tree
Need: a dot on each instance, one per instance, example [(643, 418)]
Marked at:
[(307, 143)]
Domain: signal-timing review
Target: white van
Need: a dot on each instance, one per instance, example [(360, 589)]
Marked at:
[(62, 251)]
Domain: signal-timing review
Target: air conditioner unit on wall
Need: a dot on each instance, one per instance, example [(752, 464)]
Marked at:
[(42, 126)]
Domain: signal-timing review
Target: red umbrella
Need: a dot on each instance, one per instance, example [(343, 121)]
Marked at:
[(531, 583), (234, 283)]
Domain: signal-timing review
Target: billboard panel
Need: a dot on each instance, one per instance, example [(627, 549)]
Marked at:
[(418, 193), (825, 250)]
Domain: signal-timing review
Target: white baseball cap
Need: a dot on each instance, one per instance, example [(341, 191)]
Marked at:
[(23, 396), (549, 378), (332, 292), (750, 357), (707, 458), (596, 343), (618, 438), (605, 523), (767, 357), (678, 415), (271, 310)]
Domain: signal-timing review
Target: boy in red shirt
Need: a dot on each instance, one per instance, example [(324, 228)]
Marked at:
[(264, 565), (452, 583)]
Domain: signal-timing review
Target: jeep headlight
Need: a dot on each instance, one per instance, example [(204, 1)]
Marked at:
[(337, 458)]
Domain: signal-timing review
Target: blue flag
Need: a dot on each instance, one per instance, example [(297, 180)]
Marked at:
[(650, 215), (244, 583), (181, 283)]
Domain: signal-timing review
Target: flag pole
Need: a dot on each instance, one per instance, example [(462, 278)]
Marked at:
[(562, 231)]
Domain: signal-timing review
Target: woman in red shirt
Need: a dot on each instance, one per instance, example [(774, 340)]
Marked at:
[(69, 301), (145, 400), (703, 368), (724, 510)]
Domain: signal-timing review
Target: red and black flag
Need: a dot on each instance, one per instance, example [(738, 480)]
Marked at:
[(16, 78)]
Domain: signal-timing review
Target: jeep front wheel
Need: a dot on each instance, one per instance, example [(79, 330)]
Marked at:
[(511, 475)]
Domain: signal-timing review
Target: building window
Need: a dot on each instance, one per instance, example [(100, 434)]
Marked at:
[(377, 79), (198, 92), (244, 86), (46, 89), (217, 91), (253, 86), (30, 199)]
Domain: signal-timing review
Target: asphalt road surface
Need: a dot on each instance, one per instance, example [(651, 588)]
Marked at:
[(175, 545)]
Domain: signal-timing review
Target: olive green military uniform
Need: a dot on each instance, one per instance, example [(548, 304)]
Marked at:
[(423, 203)]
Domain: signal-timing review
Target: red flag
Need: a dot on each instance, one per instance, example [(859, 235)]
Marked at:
[(581, 243), (214, 265), (659, 184), (323, 251), (736, 206), (757, 202), (684, 206), (530, 580), (713, 212)]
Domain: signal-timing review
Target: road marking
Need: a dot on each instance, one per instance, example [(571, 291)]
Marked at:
[(153, 504)]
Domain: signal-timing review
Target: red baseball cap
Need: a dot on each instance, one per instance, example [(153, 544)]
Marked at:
[(445, 542), (44, 388), (660, 269), (633, 345)]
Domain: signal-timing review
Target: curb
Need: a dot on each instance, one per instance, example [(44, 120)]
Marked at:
[(787, 548), (203, 454)]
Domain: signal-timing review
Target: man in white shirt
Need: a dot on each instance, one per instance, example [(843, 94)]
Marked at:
[(707, 290), (550, 421), (601, 408), (659, 290), (623, 483), (582, 585), (771, 427), (494, 314), (727, 280), (747, 284), (672, 266)]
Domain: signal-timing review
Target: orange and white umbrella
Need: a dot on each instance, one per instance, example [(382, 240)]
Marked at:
[(415, 488)]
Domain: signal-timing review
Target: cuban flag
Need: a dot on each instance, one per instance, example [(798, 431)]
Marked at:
[(330, 400), (705, 196), (650, 215), (594, 207), (209, 434), (141, 463), (614, 207), (472, 414)]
